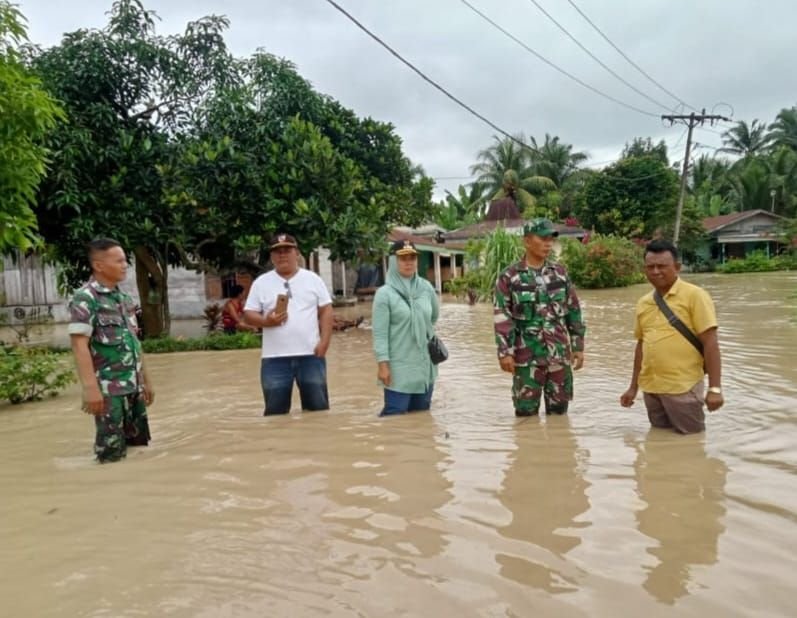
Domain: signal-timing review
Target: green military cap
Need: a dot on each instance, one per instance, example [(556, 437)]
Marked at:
[(540, 227)]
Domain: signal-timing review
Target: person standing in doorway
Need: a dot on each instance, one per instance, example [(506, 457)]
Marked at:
[(102, 329), (403, 317), (669, 365), (296, 335), (538, 324)]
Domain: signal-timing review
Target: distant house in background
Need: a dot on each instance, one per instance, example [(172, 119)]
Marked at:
[(504, 213), (738, 234), (439, 258)]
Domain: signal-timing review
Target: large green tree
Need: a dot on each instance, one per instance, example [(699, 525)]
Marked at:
[(269, 153), (644, 147), (126, 91), (27, 114), (633, 197)]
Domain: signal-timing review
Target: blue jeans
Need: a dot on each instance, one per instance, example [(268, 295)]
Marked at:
[(278, 374), (401, 403)]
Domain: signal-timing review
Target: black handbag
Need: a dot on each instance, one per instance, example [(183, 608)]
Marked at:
[(437, 350)]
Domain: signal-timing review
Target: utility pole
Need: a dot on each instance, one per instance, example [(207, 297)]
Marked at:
[(691, 121)]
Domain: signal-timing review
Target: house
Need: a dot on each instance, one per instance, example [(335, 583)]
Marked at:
[(439, 258), (737, 234), (504, 213)]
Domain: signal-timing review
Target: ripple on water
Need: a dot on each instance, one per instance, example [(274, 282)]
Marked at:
[(465, 510)]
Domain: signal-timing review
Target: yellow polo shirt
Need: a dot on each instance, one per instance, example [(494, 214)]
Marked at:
[(670, 364)]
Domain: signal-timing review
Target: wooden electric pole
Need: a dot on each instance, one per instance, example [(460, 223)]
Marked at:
[(691, 121)]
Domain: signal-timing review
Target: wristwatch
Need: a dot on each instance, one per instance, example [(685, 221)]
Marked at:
[(715, 389)]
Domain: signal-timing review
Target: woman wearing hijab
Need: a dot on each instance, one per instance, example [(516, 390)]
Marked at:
[(404, 314)]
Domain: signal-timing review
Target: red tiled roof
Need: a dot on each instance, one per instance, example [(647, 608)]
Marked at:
[(714, 223)]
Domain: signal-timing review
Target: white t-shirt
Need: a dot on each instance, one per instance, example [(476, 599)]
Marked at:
[(299, 335)]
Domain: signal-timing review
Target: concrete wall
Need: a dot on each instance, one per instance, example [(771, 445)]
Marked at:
[(28, 285)]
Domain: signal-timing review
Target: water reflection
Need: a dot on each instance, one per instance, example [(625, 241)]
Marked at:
[(545, 490), (465, 511), (683, 490), (390, 497)]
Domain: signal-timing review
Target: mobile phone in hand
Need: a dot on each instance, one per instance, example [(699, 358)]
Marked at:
[(282, 303)]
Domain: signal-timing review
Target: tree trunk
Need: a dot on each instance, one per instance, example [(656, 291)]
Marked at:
[(152, 290)]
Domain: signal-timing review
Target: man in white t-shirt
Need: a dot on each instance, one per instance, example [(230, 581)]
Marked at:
[(295, 340)]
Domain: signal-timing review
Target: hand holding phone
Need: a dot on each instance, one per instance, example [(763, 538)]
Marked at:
[(282, 304)]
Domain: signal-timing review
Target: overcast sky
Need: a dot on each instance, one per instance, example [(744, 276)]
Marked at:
[(707, 52)]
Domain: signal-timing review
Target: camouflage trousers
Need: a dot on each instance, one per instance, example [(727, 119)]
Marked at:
[(533, 382), (123, 424)]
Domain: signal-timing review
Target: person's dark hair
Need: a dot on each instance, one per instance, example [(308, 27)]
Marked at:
[(235, 290), (100, 244), (660, 245)]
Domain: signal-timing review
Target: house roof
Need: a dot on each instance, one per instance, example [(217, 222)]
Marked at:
[(502, 208), (427, 243), (713, 224), (483, 228)]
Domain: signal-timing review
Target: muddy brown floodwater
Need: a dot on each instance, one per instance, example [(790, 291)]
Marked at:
[(463, 511)]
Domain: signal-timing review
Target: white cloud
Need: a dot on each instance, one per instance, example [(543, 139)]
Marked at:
[(706, 52)]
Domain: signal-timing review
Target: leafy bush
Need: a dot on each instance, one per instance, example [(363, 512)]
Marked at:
[(28, 374), (603, 262), (466, 286), (493, 255), (757, 261), (787, 261), (216, 341)]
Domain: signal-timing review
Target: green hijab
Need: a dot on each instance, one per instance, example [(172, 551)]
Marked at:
[(411, 290)]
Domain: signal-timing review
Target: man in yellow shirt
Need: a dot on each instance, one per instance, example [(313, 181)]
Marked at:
[(667, 367)]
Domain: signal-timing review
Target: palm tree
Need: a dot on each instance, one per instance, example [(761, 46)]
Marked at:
[(522, 190), (555, 160), (782, 166), (745, 140), (784, 130), (751, 185), (505, 169)]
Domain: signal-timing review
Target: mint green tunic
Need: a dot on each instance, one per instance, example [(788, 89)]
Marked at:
[(403, 319)]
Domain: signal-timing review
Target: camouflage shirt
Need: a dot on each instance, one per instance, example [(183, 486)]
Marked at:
[(107, 316), (537, 316)]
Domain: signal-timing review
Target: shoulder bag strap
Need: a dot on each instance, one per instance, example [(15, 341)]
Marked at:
[(676, 323)]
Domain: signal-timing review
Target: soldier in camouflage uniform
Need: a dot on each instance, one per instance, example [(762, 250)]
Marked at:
[(102, 329), (539, 330)]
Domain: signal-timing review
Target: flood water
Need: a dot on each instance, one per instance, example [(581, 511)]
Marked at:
[(462, 511)]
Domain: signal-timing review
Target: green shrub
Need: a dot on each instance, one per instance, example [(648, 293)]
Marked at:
[(493, 255), (603, 262), (757, 261), (217, 341), (28, 374), (787, 261)]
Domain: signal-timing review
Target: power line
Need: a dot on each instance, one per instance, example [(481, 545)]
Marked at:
[(552, 65), (429, 80), (596, 59), (631, 62), (459, 102), (691, 121)]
